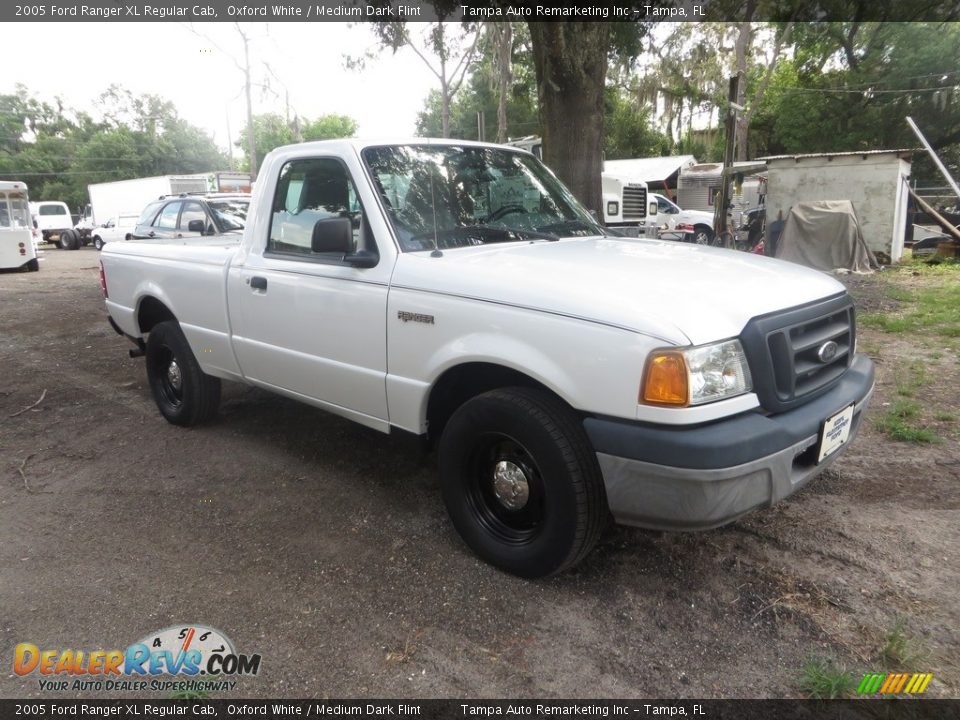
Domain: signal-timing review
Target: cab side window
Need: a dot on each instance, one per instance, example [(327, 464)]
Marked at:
[(310, 190)]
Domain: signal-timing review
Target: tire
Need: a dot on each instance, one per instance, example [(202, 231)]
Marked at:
[(521, 482), (33, 265), (98, 243), (184, 394), (66, 240), (702, 236)]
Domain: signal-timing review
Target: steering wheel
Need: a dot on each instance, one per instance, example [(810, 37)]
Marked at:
[(505, 210)]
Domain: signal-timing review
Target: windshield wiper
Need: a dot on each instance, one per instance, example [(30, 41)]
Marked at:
[(572, 227), (485, 234)]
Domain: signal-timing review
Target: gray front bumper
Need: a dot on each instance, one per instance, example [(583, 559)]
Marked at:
[(692, 493)]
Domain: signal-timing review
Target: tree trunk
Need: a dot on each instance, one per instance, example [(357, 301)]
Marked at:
[(504, 50), (570, 59)]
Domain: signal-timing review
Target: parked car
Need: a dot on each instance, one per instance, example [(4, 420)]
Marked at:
[(176, 217), (458, 291), (119, 227)]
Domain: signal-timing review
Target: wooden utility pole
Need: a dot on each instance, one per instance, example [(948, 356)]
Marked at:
[(720, 211)]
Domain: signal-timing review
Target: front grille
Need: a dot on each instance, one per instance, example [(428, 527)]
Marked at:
[(634, 202), (790, 359)]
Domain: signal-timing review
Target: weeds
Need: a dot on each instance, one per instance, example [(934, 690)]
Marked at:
[(900, 650), (933, 308), (901, 423), (824, 679)]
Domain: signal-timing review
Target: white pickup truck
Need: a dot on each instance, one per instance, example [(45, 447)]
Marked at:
[(458, 291), (667, 219)]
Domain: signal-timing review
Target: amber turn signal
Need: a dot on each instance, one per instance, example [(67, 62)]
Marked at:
[(665, 380)]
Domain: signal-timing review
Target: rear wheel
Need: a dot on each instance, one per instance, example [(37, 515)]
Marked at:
[(703, 236), (184, 394), (66, 240), (521, 482), (33, 265)]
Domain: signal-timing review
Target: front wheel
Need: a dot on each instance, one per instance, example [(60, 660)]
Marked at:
[(521, 482), (98, 243), (184, 394)]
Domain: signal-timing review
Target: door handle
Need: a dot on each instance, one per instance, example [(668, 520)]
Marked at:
[(258, 283), (151, 234)]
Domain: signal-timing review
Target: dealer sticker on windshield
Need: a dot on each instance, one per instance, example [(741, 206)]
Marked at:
[(836, 431)]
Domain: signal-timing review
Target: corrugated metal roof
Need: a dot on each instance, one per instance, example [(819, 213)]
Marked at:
[(650, 170), (901, 151)]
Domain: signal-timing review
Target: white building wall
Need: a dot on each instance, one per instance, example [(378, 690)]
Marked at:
[(874, 183)]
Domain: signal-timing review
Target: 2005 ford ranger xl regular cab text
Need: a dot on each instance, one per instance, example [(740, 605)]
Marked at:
[(458, 291)]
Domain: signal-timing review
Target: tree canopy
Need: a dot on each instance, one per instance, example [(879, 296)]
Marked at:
[(272, 130), (58, 150)]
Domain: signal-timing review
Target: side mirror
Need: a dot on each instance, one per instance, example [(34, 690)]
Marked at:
[(333, 235), (652, 208), (195, 226)]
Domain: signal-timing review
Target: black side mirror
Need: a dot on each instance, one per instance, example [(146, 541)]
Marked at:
[(195, 226), (332, 235)]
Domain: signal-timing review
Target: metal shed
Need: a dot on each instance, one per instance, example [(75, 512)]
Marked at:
[(874, 180)]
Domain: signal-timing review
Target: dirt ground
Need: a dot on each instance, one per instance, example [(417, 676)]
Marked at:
[(325, 546)]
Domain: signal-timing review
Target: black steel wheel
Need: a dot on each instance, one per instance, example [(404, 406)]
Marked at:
[(184, 394), (521, 482)]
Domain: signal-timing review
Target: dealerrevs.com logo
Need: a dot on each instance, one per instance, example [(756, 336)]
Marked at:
[(179, 658)]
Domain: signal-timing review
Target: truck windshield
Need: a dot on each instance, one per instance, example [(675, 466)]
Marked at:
[(450, 196)]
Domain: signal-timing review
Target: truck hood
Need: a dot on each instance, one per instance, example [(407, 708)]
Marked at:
[(677, 292)]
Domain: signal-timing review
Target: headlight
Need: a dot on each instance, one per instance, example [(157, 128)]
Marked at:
[(613, 208), (696, 375)]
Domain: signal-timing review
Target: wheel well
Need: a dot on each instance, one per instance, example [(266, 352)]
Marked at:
[(463, 382), (701, 226), (151, 312)]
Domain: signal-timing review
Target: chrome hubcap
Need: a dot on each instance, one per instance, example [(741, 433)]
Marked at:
[(174, 376), (510, 485)]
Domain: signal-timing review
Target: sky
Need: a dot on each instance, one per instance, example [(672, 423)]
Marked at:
[(198, 72)]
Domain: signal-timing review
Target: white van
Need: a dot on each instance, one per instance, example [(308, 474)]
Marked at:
[(17, 247), (53, 219)]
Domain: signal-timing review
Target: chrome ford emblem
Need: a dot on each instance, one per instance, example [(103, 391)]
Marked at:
[(827, 351)]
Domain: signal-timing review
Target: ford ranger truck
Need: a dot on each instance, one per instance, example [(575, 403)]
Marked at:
[(458, 291)]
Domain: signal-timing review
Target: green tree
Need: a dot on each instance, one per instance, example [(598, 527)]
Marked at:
[(629, 130), (272, 131), (58, 151), (329, 127)]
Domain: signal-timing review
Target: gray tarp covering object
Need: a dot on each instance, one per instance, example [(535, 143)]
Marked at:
[(825, 235)]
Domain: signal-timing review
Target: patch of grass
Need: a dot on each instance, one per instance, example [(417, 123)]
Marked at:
[(901, 423), (944, 416), (900, 650), (933, 307), (901, 294), (824, 679)]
